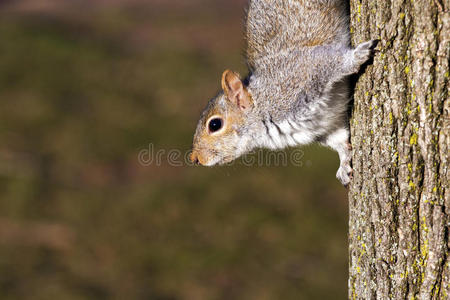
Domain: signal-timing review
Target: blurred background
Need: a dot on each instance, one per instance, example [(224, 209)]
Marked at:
[(85, 86)]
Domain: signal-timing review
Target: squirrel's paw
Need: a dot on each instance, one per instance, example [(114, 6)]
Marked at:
[(363, 53), (345, 174)]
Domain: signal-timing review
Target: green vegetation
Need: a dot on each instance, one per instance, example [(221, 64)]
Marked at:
[(80, 218)]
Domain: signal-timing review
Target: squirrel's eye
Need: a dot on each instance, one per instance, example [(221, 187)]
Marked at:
[(215, 124)]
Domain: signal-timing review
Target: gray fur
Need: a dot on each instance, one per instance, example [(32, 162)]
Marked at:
[(299, 57)]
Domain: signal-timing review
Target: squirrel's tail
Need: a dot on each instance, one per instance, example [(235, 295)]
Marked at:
[(277, 25)]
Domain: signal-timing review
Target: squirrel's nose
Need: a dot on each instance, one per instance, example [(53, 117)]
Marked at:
[(194, 158)]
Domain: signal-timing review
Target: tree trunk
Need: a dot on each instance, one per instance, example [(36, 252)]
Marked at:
[(399, 198)]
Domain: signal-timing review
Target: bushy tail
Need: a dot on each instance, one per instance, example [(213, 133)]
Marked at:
[(279, 25)]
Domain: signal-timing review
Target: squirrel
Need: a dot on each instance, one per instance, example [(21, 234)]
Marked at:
[(297, 91)]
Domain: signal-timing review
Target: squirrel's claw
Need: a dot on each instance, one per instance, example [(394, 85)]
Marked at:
[(364, 52), (345, 174)]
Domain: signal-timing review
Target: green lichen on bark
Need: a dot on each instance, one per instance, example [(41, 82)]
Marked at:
[(399, 198)]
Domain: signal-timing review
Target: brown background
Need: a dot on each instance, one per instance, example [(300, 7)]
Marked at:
[(84, 87)]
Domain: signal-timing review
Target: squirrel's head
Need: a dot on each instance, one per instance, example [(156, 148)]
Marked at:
[(221, 134)]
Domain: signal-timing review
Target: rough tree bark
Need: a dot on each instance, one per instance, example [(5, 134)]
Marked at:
[(400, 195)]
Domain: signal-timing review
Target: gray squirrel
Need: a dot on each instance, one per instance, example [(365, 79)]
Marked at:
[(297, 92)]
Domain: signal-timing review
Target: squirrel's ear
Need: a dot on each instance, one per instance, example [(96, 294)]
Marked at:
[(235, 91)]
